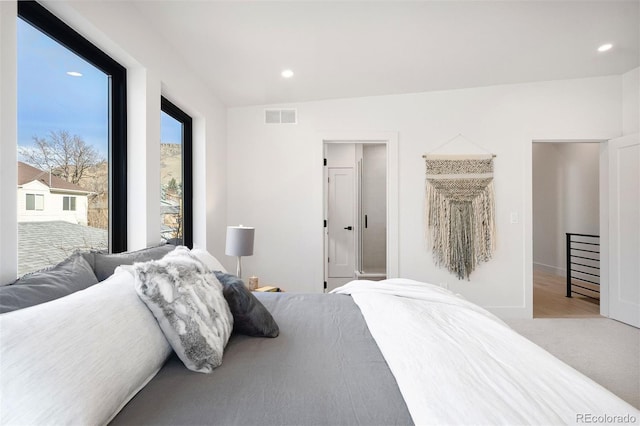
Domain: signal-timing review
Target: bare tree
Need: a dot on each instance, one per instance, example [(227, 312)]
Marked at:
[(68, 157), (96, 180)]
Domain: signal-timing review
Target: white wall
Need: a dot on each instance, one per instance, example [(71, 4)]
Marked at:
[(8, 138), (631, 102), (581, 176), (341, 155), (153, 68), (565, 199), (275, 183), (547, 190)]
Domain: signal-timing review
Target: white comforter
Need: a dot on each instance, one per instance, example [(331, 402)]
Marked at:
[(456, 363)]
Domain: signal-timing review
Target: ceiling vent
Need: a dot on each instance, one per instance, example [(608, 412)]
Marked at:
[(280, 116)]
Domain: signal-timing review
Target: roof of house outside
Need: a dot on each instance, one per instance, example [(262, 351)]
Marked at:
[(27, 173), (42, 244), (169, 207)]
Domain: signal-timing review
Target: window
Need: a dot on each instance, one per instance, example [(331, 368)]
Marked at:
[(35, 202), (69, 203), (176, 192), (71, 102)]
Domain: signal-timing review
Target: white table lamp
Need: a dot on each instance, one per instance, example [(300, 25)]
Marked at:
[(239, 243)]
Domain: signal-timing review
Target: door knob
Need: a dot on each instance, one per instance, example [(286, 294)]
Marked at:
[(348, 228)]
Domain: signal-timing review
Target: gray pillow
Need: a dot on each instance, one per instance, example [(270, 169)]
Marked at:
[(69, 276), (104, 263), (250, 317), (187, 301)]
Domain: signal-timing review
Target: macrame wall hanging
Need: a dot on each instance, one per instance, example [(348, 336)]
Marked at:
[(460, 211)]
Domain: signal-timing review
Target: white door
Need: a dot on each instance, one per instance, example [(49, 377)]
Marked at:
[(341, 223), (624, 229)]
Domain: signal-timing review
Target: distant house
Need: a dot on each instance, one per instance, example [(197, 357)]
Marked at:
[(171, 220), (43, 197)]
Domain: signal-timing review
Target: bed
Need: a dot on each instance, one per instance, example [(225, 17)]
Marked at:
[(455, 364), (325, 369), (393, 352)]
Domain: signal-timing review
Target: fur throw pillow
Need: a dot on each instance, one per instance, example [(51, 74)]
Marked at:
[(187, 301)]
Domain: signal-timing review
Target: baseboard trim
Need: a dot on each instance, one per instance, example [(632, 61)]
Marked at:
[(541, 267)]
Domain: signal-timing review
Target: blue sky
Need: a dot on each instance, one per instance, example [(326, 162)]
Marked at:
[(49, 99), (170, 129)]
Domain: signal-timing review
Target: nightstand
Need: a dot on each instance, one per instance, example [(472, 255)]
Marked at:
[(268, 288)]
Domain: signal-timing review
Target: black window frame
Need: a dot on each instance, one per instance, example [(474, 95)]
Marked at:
[(46, 22), (175, 112)]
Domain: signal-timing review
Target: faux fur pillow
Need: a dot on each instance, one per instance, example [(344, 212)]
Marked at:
[(187, 301)]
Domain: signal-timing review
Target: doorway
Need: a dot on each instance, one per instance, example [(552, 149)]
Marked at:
[(566, 229), (355, 212)]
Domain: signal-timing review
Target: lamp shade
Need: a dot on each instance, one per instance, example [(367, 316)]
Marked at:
[(239, 241)]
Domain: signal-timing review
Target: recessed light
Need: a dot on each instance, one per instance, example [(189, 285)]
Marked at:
[(605, 47), (287, 73), (74, 73)]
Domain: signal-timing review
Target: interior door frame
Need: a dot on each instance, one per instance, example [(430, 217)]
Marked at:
[(611, 189), (390, 139), (603, 219)]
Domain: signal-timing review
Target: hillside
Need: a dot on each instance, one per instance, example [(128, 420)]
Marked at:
[(170, 163)]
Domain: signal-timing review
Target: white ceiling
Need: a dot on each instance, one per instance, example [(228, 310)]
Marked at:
[(351, 49)]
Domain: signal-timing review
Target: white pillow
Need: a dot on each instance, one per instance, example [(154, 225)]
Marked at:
[(78, 359), (186, 299), (208, 259)]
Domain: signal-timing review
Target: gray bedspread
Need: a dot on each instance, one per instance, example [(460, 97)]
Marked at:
[(323, 369)]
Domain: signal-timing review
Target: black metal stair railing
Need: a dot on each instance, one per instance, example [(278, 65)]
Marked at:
[(583, 265)]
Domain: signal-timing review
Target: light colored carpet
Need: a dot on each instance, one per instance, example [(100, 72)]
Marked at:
[(605, 350)]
